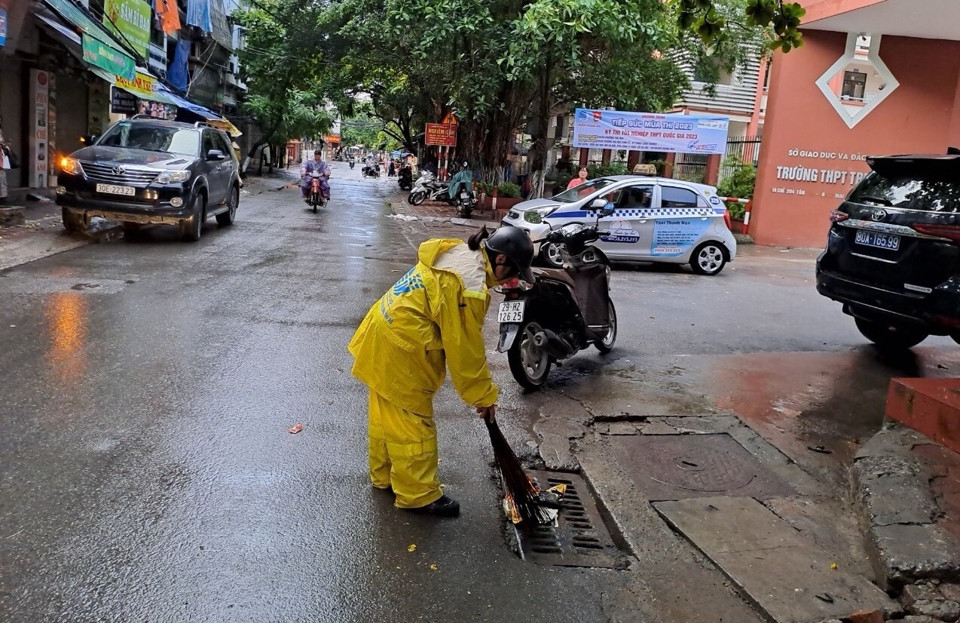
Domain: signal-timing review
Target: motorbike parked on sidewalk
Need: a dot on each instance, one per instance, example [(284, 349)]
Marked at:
[(564, 312), (427, 187), (318, 195), (405, 178), (466, 202)]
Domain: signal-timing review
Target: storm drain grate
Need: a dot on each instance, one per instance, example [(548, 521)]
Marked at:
[(580, 538)]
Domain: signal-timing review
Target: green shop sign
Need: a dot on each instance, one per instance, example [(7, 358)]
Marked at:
[(101, 55), (130, 21)]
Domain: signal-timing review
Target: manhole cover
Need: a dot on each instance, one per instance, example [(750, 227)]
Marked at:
[(679, 467), (580, 538)]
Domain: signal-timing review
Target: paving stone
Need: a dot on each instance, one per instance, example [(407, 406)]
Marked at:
[(913, 618), (942, 609), (780, 571), (903, 554), (895, 490), (867, 616), (657, 428), (621, 428), (950, 591), (915, 592)]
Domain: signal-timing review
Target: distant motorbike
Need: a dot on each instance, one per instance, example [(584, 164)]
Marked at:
[(564, 312), (351, 163), (427, 187), (405, 179), (369, 170)]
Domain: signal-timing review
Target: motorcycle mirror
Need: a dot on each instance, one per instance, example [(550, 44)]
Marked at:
[(598, 204), (607, 209)]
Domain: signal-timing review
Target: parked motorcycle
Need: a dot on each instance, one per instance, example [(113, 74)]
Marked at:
[(466, 202), (564, 312), (427, 187), (405, 179), (318, 195)]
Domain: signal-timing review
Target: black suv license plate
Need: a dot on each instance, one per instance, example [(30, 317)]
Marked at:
[(890, 242)]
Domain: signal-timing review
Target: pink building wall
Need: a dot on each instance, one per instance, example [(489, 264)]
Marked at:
[(804, 134)]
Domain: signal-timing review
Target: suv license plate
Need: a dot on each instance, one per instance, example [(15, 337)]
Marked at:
[(890, 242), (113, 189), (511, 311)]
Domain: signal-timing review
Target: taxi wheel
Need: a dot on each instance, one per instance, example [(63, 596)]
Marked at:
[(529, 363), (708, 259), (550, 254)]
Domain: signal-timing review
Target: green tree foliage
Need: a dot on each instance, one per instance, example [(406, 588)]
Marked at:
[(281, 70), (499, 65), (708, 20)]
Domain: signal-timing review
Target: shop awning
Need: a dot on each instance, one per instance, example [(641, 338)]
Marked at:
[(197, 109), (98, 47), (227, 126)]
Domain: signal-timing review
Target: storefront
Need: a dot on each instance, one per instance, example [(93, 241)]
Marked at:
[(874, 77)]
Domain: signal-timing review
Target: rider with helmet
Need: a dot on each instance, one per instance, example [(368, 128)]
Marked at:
[(307, 168), (431, 320)]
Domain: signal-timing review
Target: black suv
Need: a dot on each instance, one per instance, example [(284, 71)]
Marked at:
[(144, 171), (893, 251)]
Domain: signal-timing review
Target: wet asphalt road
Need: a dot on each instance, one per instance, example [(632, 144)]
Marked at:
[(148, 474), (147, 471)]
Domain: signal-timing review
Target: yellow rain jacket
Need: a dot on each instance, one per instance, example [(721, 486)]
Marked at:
[(431, 319)]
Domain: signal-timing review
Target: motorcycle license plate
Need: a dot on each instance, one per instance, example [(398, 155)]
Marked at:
[(511, 311), (464, 195)]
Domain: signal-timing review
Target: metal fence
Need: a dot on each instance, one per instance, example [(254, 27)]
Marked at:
[(690, 167), (740, 149)]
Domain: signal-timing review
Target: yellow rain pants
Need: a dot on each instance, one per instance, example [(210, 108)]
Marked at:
[(403, 453)]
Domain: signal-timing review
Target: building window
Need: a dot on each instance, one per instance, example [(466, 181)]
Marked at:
[(854, 84)]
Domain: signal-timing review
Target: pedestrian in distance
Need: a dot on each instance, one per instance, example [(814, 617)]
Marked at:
[(580, 179), (431, 321)]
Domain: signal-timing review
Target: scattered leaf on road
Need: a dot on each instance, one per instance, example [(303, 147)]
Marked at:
[(433, 566), (412, 547)]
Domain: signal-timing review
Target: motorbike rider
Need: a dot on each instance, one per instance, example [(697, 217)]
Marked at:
[(319, 165), (429, 321)]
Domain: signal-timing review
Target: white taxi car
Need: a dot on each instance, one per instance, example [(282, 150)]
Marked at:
[(655, 219)]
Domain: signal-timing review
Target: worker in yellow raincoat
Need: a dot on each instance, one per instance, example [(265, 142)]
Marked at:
[(430, 320)]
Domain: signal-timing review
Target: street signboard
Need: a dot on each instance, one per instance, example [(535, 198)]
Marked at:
[(122, 102), (640, 131), (101, 55), (130, 21), (443, 134)]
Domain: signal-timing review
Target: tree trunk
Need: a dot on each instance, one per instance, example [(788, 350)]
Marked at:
[(538, 152)]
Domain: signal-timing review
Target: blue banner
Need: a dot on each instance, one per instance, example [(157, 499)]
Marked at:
[(641, 131), (3, 27)]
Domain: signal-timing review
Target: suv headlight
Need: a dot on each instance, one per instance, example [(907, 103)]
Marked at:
[(168, 177), (536, 216), (70, 166)]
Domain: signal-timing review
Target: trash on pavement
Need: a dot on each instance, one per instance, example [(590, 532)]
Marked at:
[(296, 428)]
